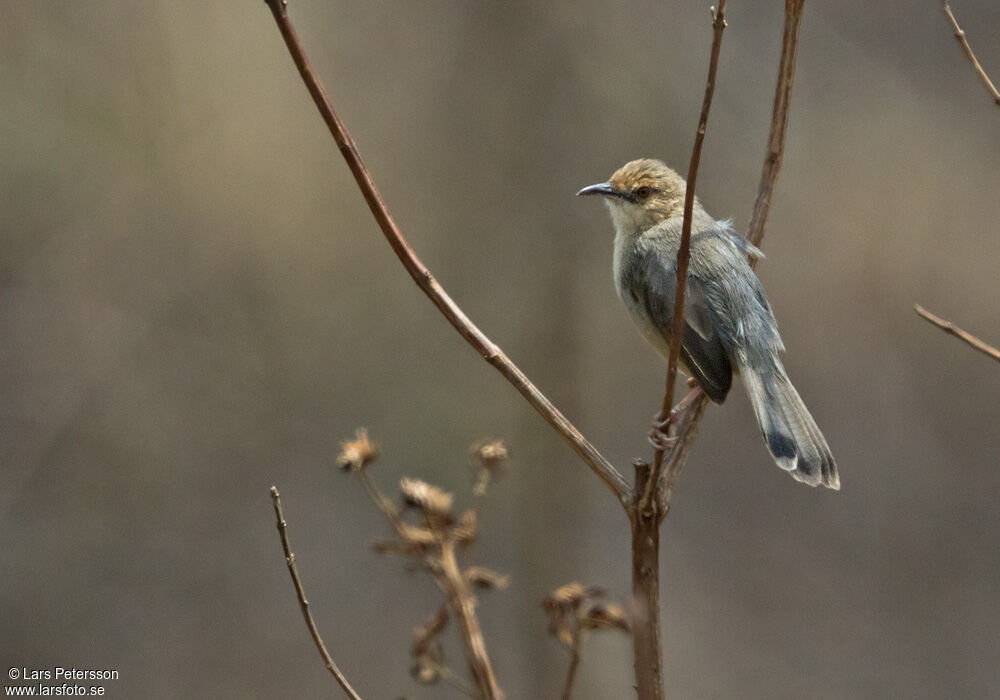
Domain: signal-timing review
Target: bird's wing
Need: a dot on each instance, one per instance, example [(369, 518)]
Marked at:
[(701, 347)]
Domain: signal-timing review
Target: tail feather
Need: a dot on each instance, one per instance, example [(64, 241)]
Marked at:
[(791, 434)]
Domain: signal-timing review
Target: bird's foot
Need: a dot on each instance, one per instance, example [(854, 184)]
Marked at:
[(660, 436)]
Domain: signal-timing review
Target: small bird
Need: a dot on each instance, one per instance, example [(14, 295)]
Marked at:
[(728, 323)]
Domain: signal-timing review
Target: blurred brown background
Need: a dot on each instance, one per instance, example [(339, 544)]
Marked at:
[(196, 304)]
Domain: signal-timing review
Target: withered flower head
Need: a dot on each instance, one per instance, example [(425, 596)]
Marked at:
[(489, 457), (490, 453), (487, 579), (575, 607), (572, 594), (605, 616), (430, 499), (358, 453)]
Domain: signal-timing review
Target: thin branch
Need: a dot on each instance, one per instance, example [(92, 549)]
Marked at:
[(684, 251), (490, 352), (951, 329), (382, 502), (963, 42), (449, 677), (463, 604), (645, 517), (779, 122), (693, 407), (303, 602), (574, 662)]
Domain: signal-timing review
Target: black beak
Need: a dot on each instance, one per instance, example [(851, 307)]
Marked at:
[(603, 188)]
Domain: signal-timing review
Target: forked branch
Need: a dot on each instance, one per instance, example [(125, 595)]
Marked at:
[(490, 352)]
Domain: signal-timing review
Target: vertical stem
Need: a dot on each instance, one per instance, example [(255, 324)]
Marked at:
[(463, 604), (779, 122), (645, 522), (574, 662), (684, 250)]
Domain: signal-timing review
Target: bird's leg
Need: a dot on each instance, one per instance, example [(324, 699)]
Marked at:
[(661, 435)]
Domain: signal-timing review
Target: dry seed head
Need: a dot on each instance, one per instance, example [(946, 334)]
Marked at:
[(430, 499), (486, 579), (358, 453), (605, 616), (572, 594), (490, 453), (489, 458)]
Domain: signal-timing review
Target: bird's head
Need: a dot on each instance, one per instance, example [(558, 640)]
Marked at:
[(640, 194)]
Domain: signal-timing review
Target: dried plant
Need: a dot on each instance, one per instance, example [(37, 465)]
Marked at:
[(427, 532), (489, 459), (574, 610)]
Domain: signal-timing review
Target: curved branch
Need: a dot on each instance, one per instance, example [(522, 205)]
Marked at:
[(490, 352), (951, 329), (964, 43), (303, 602)]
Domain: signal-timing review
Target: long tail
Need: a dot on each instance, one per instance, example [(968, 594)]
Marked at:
[(790, 432)]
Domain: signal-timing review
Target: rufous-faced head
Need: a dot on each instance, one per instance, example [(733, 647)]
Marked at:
[(640, 194)]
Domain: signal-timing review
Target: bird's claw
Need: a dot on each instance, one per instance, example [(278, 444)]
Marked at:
[(659, 434)]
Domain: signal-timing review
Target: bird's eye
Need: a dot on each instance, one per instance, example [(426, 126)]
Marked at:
[(643, 192)]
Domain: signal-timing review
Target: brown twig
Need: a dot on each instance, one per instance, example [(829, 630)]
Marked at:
[(951, 329), (463, 604), (303, 602), (490, 352), (779, 122), (574, 663), (964, 43), (575, 610), (684, 251)]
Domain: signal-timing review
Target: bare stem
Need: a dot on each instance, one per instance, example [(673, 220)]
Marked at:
[(951, 329), (304, 603), (463, 604), (779, 122), (646, 640), (963, 42), (684, 251), (382, 502), (694, 405), (574, 662), (490, 352)]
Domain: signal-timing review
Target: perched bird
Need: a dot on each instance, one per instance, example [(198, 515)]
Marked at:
[(728, 323)]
